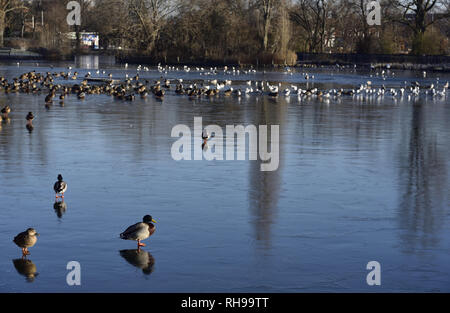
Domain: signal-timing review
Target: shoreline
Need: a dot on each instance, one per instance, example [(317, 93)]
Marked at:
[(407, 62)]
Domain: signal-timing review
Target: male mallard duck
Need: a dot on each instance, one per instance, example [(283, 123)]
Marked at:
[(140, 231), (26, 240), (30, 117), (60, 187)]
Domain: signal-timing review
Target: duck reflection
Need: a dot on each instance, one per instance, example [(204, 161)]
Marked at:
[(26, 268), (60, 208), (30, 128), (140, 259), (423, 175)]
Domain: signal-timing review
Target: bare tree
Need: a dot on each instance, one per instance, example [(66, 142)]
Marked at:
[(7, 6), (267, 8), (415, 15), (149, 17), (313, 17)]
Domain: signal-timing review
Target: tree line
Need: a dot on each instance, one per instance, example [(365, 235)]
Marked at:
[(243, 31)]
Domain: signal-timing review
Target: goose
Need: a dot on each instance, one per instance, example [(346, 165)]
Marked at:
[(26, 239), (140, 231), (60, 187)]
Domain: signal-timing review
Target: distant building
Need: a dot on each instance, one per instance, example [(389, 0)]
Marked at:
[(88, 40)]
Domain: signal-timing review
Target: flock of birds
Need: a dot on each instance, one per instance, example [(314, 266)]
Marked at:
[(38, 83)]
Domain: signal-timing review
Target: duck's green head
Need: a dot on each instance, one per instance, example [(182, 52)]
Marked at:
[(60, 178), (149, 219)]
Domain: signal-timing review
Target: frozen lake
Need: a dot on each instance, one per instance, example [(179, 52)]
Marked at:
[(358, 181)]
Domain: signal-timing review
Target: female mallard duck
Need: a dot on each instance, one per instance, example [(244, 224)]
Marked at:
[(60, 187), (26, 240), (140, 231)]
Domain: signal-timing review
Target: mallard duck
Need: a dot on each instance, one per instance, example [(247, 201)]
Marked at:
[(140, 231), (30, 117), (26, 240), (60, 187)]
